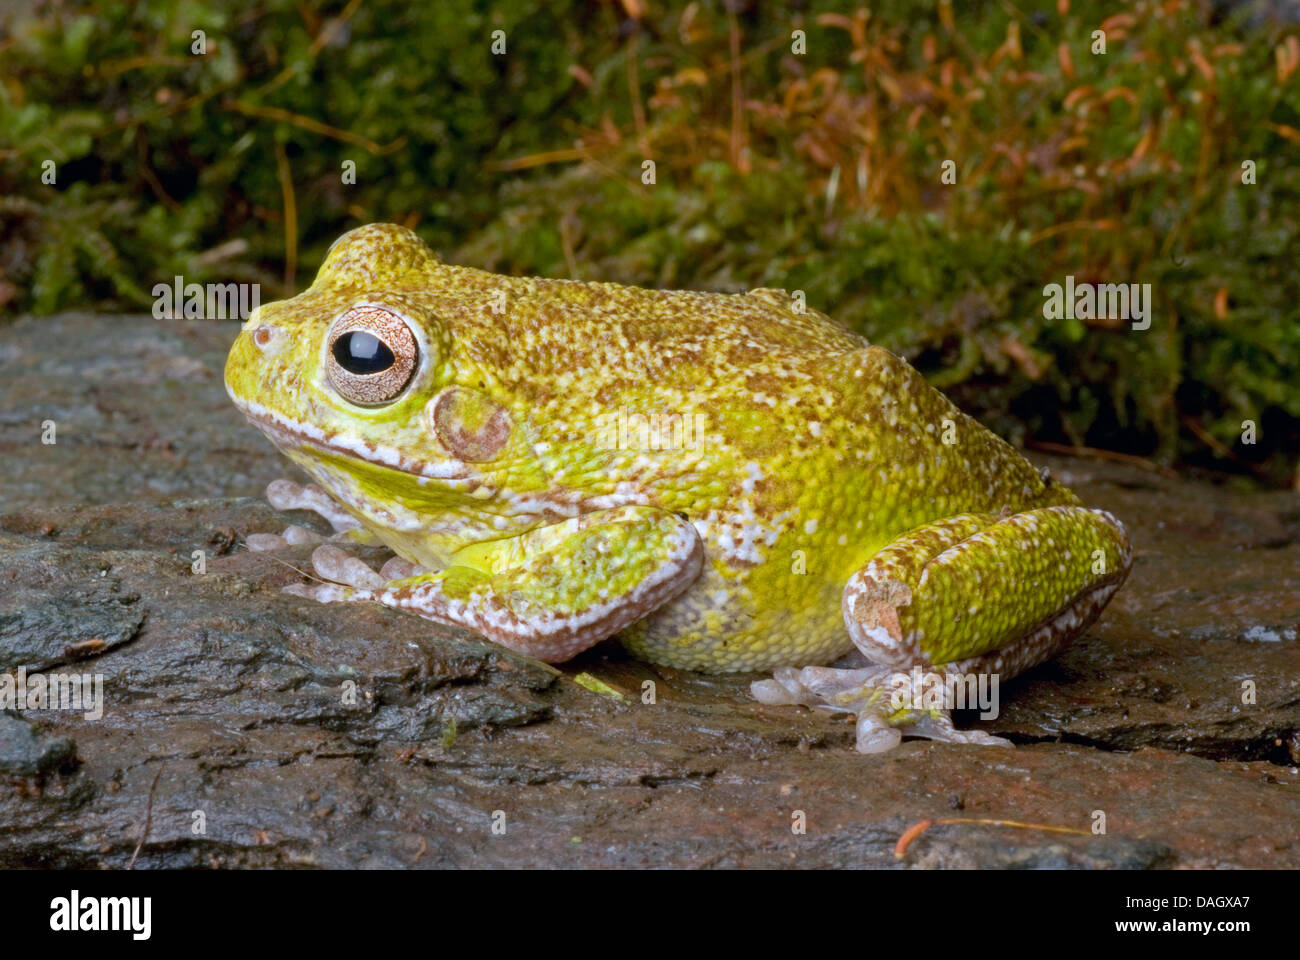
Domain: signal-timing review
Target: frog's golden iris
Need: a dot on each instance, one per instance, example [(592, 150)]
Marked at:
[(372, 355)]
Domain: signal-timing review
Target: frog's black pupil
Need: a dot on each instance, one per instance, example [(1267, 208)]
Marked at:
[(361, 353)]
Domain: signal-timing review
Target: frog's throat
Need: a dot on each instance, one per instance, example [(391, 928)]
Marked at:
[(292, 435)]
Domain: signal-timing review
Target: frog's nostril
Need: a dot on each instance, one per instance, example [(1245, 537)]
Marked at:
[(263, 336)]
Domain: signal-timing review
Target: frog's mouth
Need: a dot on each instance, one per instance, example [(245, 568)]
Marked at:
[(293, 435), (390, 490)]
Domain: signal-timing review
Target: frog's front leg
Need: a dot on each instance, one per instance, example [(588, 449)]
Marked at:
[(550, 593), (970, 596), (287, 495)]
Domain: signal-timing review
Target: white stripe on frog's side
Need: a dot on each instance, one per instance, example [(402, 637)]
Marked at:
[(294, 431), (453, 474)]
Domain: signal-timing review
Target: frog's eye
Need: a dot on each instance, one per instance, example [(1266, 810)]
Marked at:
[(371, 355)]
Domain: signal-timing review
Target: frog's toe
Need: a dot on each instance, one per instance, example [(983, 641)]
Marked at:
[(327, 592), (880, 730), (287, 495), (783, 689), (836, 689), (293, 535), (939, 727), (265, 542), (878, 697), (335, 565), (395, 568), (876, 734)]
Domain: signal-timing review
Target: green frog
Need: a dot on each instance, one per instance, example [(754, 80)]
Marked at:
[(723, 482)]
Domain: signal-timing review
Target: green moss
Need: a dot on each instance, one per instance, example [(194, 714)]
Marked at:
[(1117, 168)]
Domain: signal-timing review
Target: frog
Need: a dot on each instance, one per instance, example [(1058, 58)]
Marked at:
[(721, 482)]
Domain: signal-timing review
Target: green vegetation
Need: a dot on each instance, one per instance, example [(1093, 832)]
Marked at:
[(818, 171)]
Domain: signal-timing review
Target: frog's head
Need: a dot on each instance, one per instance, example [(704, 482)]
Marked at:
[(357, 380)]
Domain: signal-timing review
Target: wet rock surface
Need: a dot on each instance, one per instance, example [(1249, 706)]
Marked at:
[(244, 727)]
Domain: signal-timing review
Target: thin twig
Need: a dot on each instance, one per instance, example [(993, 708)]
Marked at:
[(914, 831), (1226, 452), (148, 816), (290, 217), (315, 126), (737, 99), (634, 83), (309, 576), (538, 159), (150, 178), (1093, 453)]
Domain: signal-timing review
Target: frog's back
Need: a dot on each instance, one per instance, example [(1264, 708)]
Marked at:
[(553, 327), (789, 393)]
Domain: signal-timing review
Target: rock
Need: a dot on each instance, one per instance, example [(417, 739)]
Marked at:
[(272, 731), (26, 753)]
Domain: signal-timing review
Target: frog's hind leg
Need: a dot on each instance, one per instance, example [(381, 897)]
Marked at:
[(975, 598), (287, 495)]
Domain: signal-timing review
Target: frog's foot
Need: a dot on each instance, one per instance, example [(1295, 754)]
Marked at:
[(818, 686), (852, 691), (550, 593), (349, 578), (986, 596), (885, 700), (287, 495)]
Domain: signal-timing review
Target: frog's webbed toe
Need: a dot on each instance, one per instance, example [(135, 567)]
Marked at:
[(292, 536), (938, 726), (881, 698), (395, 568), (818, 686), (860, 691), (286, 495), (876, 734), (782, 690), (337, 566), (348, 578)]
